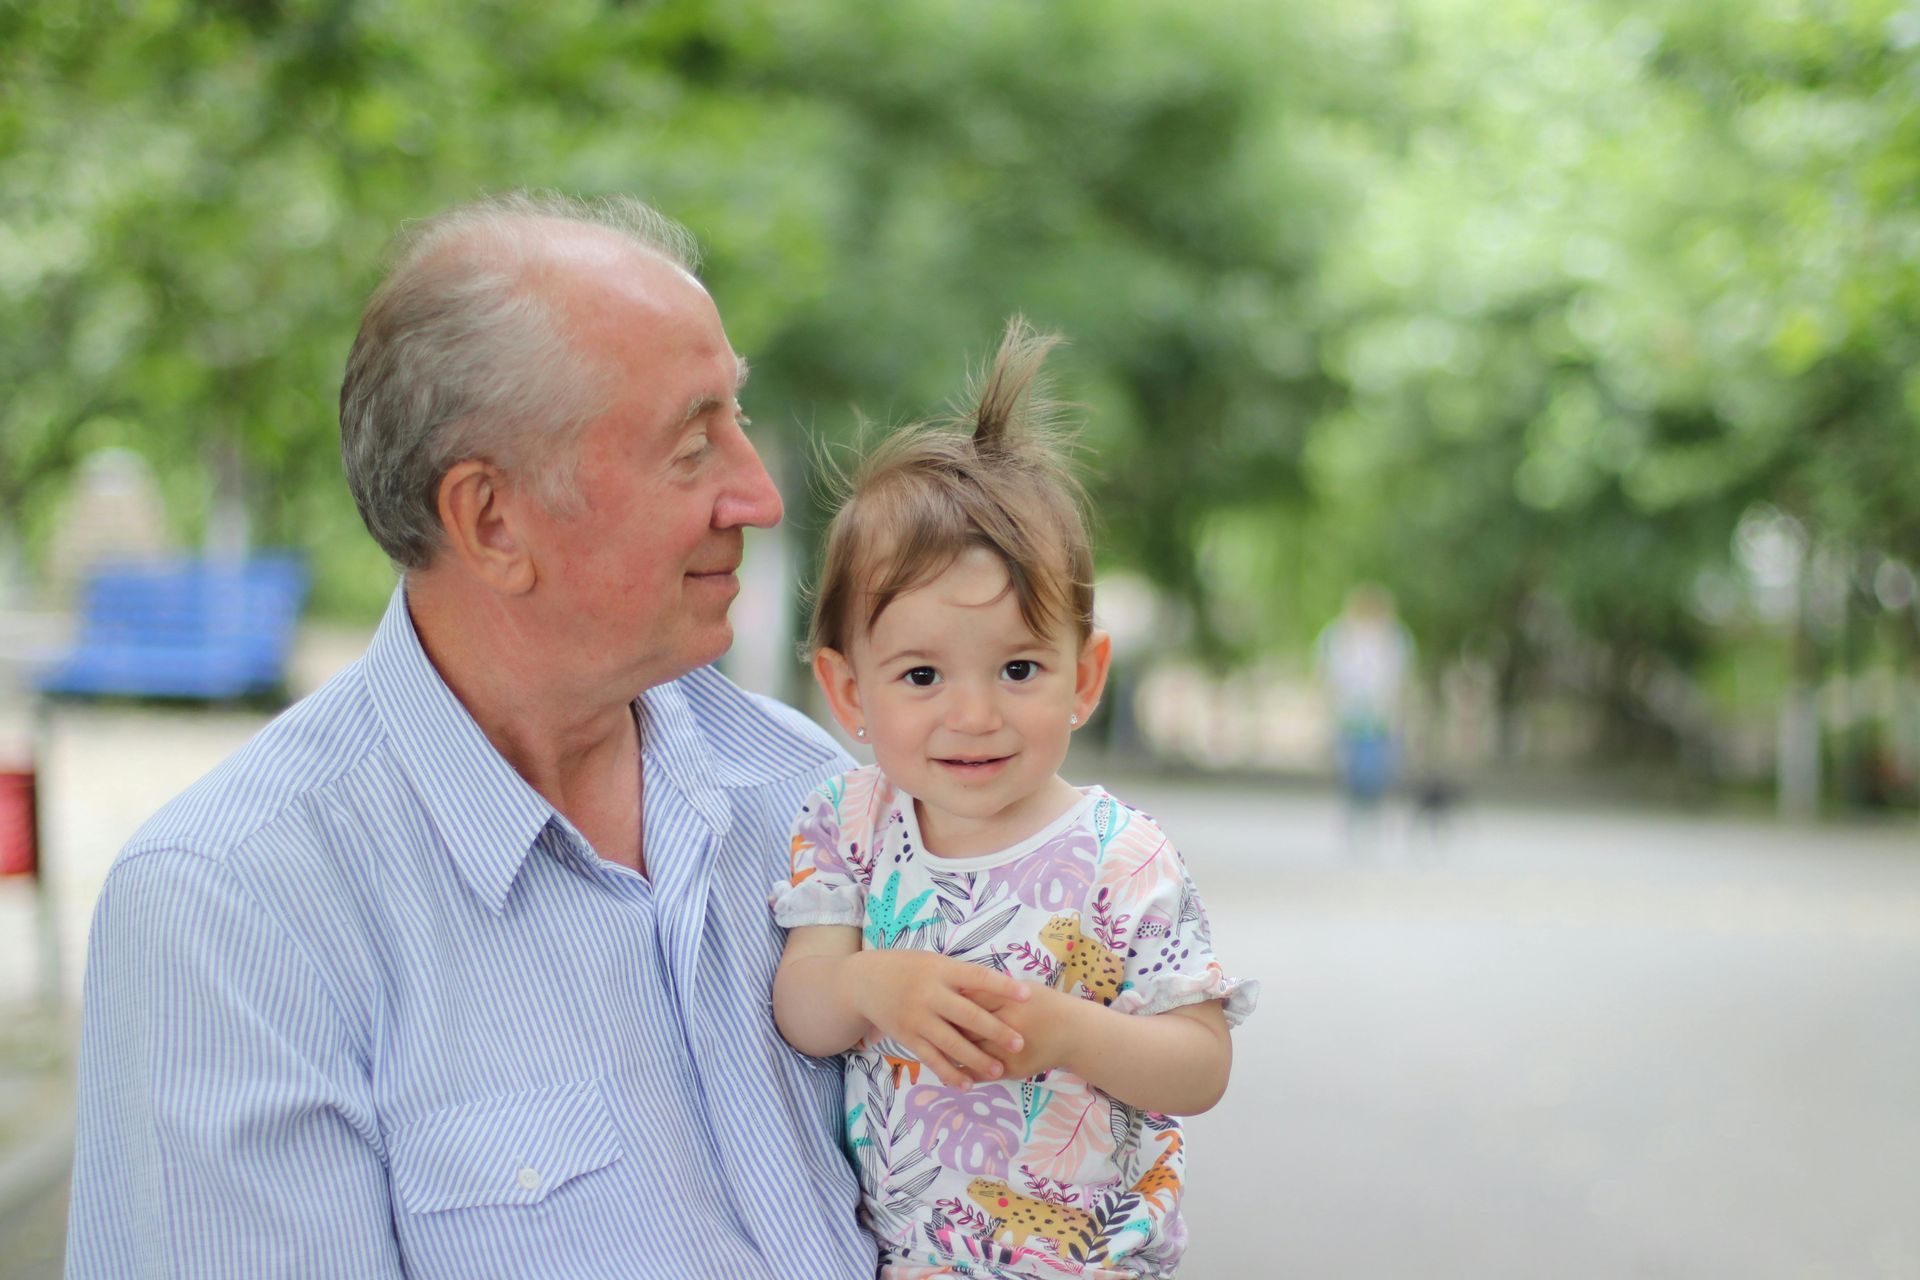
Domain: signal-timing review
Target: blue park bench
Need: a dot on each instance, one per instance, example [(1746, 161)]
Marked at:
[(192, 628)]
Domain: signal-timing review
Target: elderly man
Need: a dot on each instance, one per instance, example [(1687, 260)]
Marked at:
[(461, 967)]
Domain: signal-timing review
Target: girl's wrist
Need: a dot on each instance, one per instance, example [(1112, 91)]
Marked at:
[(1071, 1025), (850, 981)]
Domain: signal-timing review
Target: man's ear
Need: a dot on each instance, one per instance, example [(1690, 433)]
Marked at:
[(1090, 674), (835, 674), (480, 515)]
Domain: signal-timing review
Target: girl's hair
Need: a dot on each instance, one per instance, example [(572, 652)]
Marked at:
[(995, 476)]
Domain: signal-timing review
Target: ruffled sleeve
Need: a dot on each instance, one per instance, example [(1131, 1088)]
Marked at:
[(828, 881), (1145, 890)]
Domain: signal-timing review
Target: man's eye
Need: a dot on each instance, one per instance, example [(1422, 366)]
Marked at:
[(1021, 670), (921, 677)]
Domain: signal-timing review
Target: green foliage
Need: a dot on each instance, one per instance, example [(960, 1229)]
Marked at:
[(1515, 305)]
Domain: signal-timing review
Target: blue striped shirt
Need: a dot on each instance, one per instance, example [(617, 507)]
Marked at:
[(361, 1003)]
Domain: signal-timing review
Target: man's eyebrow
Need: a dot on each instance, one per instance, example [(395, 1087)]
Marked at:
[(702, 405)]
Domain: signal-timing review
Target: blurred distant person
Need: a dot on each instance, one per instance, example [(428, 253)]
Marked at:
[(1364, 658), (460, 967)]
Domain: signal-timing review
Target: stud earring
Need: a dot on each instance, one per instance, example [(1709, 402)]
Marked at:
[(861, 733), (1074, 719)]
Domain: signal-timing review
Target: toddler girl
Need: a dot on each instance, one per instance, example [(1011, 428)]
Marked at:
[(1021, 968)]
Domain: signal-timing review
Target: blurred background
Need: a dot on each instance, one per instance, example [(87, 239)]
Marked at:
[(1576, 847)]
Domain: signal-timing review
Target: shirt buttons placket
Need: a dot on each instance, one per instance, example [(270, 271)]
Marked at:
[(529, 1179)]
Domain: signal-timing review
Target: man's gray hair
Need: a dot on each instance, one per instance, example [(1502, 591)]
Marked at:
[(460, 355)]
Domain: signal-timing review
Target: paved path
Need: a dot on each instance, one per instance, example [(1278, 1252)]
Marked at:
[(1559, 1044), (1551, 1043)]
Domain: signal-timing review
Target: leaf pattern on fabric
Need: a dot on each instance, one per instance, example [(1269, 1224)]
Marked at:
[(905, 1193), (1054, 877), (816, 842), (982, 931), (1125, 1123), (1031, 959), (855, 1142), (1070, 1137), (1034, 1098), (1135, 876), (884, 923), (1110, 819), (957, 889), (975, 1130), (1110, 928), (1114, 1218)]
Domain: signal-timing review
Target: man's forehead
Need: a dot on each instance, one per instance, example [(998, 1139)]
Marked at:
[(592, 247), (597, 276), (623, 301)]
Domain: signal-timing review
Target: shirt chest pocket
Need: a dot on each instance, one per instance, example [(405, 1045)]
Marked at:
[(513, 1149)]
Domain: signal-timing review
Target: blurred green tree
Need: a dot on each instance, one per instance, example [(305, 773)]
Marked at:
[(1520, 307)]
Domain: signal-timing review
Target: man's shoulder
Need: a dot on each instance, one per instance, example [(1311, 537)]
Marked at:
[(757, 740), (304, 749)]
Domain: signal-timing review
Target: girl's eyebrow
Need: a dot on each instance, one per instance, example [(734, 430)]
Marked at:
[(903, 654), (1030, 645)]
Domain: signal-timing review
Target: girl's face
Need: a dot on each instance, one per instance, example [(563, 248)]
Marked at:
[(967, 710)]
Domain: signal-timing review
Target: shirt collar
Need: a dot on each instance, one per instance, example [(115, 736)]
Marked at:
[(741, 740), (706, 733), (482, 809)]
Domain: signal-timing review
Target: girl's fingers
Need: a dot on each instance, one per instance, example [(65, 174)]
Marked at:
[(972, 1059), (942, 1066), (986, 981), (980, 1025)]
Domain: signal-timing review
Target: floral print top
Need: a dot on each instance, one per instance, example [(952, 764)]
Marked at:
[(1020, 1178)]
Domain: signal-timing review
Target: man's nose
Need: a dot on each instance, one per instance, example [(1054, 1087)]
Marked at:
[(750, 497)]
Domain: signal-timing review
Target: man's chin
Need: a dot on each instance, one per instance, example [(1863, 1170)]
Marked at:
[(715, 641)]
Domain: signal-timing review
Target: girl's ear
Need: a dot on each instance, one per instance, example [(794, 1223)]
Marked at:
[(835, 674), (1090, 674)]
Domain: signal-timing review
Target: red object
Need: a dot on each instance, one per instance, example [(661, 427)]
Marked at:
[(19, 849)]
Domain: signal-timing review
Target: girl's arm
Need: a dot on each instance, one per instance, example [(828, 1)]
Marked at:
[(1175, 1063), (828, 992)]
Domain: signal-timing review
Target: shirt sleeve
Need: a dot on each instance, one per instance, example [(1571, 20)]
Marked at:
[(827, 884), (225, 1124), (1147, 900)]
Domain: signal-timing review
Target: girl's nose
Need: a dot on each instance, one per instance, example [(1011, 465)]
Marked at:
[(972, 710)]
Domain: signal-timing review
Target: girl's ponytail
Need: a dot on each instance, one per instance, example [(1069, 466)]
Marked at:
[(1009, 416)]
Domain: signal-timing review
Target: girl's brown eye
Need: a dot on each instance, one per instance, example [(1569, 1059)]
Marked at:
[(921, 677), (1021, 670)]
